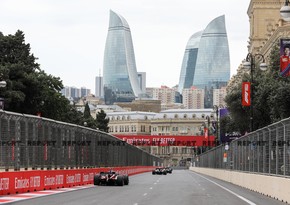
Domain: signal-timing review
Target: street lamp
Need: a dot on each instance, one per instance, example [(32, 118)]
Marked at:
[(208, 129), (250, 64), (216, 109), (285, 11), (2, 85)]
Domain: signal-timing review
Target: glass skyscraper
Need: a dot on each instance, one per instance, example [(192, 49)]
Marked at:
[(206, 62), (189, 62), (119, 69)]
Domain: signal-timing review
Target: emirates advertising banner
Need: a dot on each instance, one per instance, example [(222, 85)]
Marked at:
[(284, 57), (14, 182), (166, 140)]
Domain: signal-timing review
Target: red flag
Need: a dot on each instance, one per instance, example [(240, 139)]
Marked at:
[(246, 94)]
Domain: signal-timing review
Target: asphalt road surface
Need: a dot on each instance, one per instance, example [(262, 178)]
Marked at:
[(182, 187)]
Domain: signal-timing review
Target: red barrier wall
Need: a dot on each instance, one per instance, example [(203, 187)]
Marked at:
[(36, 180)]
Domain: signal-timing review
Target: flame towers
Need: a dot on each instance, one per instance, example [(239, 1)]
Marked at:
[(206, 62), (119, 68)]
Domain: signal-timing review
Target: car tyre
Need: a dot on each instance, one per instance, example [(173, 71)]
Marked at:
[(126, 180), (97, 180), (120, 180)]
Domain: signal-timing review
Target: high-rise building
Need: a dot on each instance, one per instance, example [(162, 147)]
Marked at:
[(219, 96), (142, 81), (206, 62), (165, 94), (193, 98), (119, 71), (189, 62), (74, 93), (99, 87)]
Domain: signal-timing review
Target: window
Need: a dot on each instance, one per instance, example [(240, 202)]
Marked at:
[(164, 116), (176, 116), (185, 116), (142, 128)]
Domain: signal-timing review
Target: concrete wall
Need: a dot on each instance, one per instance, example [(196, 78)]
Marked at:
[(273, 186)]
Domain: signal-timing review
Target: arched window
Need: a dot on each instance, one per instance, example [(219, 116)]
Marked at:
[(164, 116)]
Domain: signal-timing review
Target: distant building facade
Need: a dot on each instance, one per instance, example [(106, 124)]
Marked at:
[(74, 93), (266, 28), (219, 96), (143, 105), (165, 94), (170, 124), (193, 98)]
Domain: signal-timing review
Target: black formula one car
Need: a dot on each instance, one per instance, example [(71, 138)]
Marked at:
[(111, 178), (169, 170), (159, 171)]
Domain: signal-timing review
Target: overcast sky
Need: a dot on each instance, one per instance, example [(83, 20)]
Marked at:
[(68, 36)]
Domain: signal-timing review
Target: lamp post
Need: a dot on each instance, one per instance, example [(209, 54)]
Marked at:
[(285, 11), (216, 109), (2, 85), (208, 130), (250, 64)]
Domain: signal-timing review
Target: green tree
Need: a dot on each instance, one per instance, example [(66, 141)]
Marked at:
[(102, 121), (29, 89), (88, 119), (270, 96)]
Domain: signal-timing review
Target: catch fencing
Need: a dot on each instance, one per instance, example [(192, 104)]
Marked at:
[(266, 151), (32, 142)]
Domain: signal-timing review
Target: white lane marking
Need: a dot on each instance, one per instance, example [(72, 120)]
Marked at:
[(151, 188), (136, 204), (155, 183), (31, 195), (237, 195), (145, 194)]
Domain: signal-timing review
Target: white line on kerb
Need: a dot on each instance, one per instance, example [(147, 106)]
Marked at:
[(239, 196)]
